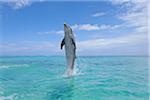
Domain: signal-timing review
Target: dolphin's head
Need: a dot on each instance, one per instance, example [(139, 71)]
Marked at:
[(67, 29)]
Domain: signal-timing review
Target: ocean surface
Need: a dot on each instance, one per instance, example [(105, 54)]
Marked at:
[(95, 78)]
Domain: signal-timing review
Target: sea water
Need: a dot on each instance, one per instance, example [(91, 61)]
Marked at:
[(95, 78)]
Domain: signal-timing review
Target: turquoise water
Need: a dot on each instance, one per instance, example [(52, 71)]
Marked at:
[(95, 78)]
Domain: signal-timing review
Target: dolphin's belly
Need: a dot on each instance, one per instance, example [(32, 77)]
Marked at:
[(70, 53)]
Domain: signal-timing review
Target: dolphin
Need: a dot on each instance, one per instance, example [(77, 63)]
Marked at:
[(70, 48)]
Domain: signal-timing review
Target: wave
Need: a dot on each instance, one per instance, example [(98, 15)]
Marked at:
[(10, 97), (13, 65)]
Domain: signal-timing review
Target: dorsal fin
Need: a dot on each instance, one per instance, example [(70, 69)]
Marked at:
[(73, 42)]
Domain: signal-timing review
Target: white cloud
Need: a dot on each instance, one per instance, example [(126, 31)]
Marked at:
[(88, 27), (18, 4), (135, 19), (59, 32), (136, 16), (26, 45), (85, 27), (91, 27), (98, 14), (107, 43), (29, 48), (120, 2)]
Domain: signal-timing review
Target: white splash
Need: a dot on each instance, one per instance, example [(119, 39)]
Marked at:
[(74, 72)]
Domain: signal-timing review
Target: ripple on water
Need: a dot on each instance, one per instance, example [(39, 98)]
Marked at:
[(95, 78)]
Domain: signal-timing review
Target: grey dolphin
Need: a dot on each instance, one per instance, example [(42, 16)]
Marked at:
[(70, 48)]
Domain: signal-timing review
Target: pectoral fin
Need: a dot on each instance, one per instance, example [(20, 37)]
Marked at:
[(62, 43)]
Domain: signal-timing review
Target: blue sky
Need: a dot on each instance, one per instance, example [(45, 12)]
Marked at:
[(111, 27)]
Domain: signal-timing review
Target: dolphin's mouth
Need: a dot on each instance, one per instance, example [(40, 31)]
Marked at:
[(65, 25)]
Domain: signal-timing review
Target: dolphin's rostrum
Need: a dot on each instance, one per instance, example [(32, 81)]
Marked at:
[(70, 48)]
